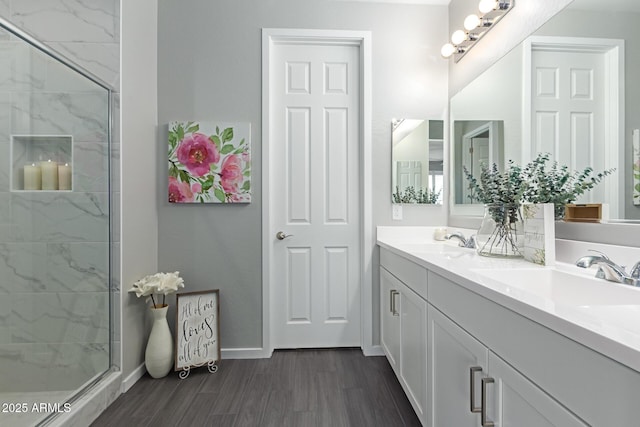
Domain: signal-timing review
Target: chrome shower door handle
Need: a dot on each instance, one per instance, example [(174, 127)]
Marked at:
[(281, 236)]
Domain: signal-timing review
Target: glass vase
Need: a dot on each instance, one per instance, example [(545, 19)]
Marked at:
[(501, 233)]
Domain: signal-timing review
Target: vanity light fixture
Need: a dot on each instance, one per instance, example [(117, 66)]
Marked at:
[(476, 26)]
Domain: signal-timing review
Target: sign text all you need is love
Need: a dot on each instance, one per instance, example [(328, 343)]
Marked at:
[(197, 329)]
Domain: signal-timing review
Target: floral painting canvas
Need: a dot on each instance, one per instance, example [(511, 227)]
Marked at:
[(209, 162)]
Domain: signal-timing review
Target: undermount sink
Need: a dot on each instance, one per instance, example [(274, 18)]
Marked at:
[(560, 287), (434, 248)]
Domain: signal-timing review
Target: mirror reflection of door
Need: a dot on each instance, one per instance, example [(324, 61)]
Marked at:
[(409, 174), (479, 147), (573, 104), (475, 153)]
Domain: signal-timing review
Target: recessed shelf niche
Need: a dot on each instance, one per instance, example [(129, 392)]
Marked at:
[(41, 163)]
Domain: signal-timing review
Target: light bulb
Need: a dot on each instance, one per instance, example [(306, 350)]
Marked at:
[(447, 50), (487, 6), (471, 22), (458, 37)]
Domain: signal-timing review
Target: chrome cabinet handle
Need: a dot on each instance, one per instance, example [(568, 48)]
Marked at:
[(484, 422), (393, 294), (472, 376), (281, 236)]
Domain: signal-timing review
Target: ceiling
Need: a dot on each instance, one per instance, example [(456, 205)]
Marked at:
[(424, 2)]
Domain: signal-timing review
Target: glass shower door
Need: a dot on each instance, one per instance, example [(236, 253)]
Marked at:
[(54, 232)]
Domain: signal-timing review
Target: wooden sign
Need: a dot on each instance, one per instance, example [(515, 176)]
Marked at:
[(197, 331)]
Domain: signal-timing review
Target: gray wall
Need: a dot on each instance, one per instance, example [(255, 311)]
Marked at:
[(209, 62)]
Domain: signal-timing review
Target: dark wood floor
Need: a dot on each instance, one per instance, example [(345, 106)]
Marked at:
[(298, 388)]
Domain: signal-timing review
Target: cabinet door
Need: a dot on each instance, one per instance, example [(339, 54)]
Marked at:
[(514, 401), (413, 349), (390, 317), (452, 355)]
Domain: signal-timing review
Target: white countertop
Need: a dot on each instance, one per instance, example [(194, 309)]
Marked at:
[(602, 315)]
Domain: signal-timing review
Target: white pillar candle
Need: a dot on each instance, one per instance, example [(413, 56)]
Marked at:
[(49, 171), (32, 177), (439, 233), (64, 177)]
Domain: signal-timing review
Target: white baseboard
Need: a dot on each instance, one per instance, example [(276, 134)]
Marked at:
[(245, 353), (374, 350), (133, 377)]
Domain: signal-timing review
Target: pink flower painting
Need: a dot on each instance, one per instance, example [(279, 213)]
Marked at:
[(196, 152), (231, 173), (179, 192), (209, 162)]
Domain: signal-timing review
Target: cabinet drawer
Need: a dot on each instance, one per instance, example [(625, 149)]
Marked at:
[(411, 274), (599, 390)]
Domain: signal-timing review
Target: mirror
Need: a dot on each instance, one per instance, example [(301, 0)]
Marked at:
[(587, 57), (417, 159), (476, 143)]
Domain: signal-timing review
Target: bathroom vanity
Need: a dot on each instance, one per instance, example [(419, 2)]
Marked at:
[(486, 341)]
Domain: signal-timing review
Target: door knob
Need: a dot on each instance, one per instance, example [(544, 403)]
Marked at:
[(281, 236)]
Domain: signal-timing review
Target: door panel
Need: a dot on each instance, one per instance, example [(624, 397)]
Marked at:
[(298, 179), (337, 173), (299, 285)]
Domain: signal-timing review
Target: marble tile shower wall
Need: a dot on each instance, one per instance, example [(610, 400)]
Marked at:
[(54, 247)]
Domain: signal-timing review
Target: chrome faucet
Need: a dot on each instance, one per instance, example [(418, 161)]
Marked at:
[(464, 242), (609, 270)]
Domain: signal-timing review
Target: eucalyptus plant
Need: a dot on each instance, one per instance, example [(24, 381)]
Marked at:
[(556, 184), (502, 193), (495, 186), (537, 182), (411, 196)]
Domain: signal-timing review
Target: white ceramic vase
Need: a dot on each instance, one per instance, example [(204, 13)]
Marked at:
[(158, 357)]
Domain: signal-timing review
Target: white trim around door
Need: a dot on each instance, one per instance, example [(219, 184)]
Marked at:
[(362, 39)]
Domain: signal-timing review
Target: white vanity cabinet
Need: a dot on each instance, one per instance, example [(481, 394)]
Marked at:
[(404, 328), (472, 386), (449, 338), (540, 377)]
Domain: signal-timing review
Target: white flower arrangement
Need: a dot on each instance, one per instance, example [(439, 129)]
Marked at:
[(159, 283)]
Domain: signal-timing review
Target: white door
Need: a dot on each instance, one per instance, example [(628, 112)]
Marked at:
[(568, 107), (409, 174), (315, 136)]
